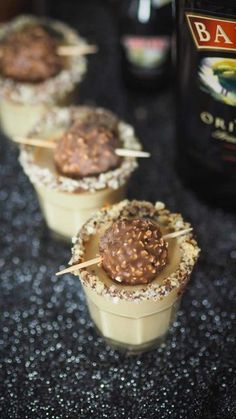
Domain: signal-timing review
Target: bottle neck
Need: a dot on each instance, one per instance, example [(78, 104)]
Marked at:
[(144, 11)]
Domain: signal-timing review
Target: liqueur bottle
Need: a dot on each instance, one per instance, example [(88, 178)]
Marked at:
[(206, 94), (145, 38)]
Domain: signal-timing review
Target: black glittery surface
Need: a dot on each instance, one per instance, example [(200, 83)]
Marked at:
[(52, 362)]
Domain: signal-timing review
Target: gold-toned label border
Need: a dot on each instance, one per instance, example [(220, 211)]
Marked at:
[(208, 48)]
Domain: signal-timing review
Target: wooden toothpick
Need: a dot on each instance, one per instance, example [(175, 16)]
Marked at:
[(74, 50), (73, 268), (39, 142), (123, 152), (98, 259), (177, 234)]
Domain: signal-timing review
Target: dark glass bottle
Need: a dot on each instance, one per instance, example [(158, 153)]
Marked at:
[(206, 97), (145, 39)]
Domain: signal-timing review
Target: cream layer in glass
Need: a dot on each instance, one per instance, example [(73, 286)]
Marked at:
[(17, 119), (136, 317), (66, 212)]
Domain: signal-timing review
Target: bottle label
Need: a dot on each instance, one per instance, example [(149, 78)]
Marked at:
[(222, 129), (212, 33), (146, 52), (207, 72)]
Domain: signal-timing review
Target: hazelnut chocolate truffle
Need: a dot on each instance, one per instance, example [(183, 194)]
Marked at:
[(133, 251), (30, 55), (88, 146)]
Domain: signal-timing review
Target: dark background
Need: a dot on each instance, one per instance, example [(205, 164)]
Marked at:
[(53, 363)]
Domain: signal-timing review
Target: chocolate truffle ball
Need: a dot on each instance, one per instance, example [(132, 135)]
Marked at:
[(133, 251), (30, 55), (88, 148)]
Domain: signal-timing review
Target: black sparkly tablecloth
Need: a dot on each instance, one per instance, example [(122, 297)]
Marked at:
[(52, 362)]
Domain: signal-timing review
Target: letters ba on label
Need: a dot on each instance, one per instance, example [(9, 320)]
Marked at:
[(212, 33)]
